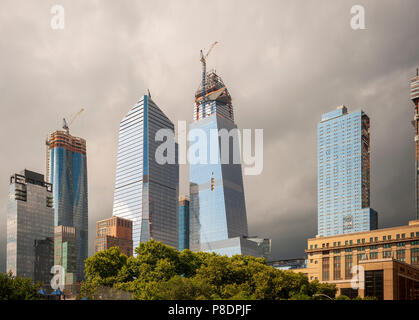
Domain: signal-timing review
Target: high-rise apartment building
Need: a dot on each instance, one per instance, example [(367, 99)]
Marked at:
[(114, 232), (146, 192), (30, 227), (414, 95), (67, 171), (218, 221), (183, 223), (343, 150)]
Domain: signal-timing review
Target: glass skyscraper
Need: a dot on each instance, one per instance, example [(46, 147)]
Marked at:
[(218, 221), (344, 173), (30, 227), (146, 192), (183, 224), (67, 171)]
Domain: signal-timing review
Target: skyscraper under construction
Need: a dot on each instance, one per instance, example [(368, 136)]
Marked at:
[(218, 221), (67, 171), (414, 95)]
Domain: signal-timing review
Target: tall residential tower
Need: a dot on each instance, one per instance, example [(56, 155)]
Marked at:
[(414, 95), (146, 192), (343, 150), (67, 171)]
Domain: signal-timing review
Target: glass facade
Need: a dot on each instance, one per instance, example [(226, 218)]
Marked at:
[(217, 203), (65, 251), (30, 227), (183, 224), (344, 173), (67, 171), (146, 192)]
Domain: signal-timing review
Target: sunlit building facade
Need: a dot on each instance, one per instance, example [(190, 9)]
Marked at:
[(218, 221), (114, 232), (146, 192), (344, 173), (67, 171)]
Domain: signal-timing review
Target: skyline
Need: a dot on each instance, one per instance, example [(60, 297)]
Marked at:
[(54, 74)]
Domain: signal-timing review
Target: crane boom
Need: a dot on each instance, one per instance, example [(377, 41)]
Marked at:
[(75, 117), (66, 126)]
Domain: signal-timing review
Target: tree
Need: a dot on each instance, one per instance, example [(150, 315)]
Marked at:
[(17, 288), (161, 272), (104, 267)]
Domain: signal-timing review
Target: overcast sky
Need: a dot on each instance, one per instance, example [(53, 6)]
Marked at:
[(285, 64)]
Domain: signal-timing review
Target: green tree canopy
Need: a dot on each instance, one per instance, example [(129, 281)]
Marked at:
[(17, 288), (161, 272)]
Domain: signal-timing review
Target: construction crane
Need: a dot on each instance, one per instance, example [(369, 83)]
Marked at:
[(66, 126), (204, 69)]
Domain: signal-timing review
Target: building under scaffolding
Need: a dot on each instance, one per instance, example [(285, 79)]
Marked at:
[(217, 99)]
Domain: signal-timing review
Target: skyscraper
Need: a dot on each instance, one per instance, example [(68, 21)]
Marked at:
[(343, 190), (218, 221), (67, 171), (146, 192), (30, 227), (183, 223), (414, 95)]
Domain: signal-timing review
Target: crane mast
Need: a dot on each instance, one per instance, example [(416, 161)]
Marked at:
[(204, 70)]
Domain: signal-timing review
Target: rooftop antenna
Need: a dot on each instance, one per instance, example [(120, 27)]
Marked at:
[(149, 94)]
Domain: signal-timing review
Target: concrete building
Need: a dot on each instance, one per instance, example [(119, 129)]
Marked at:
[(114, 232), (146, 192), (67, 171), (389, 258), (343, 190), (30, 226)]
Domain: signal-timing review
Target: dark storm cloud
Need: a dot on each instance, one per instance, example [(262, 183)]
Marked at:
[(285, 63)]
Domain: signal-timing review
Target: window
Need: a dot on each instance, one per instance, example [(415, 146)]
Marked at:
[(348, 266), (374, 284), (361, 249), (414, 254), (325, 269), (336, 268), (401, 255), (387, 245), (362, 256), (400, 244), (373, 255), (387, 254), (384, 238)]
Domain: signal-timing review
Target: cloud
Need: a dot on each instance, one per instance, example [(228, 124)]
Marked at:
[(285, 63)]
